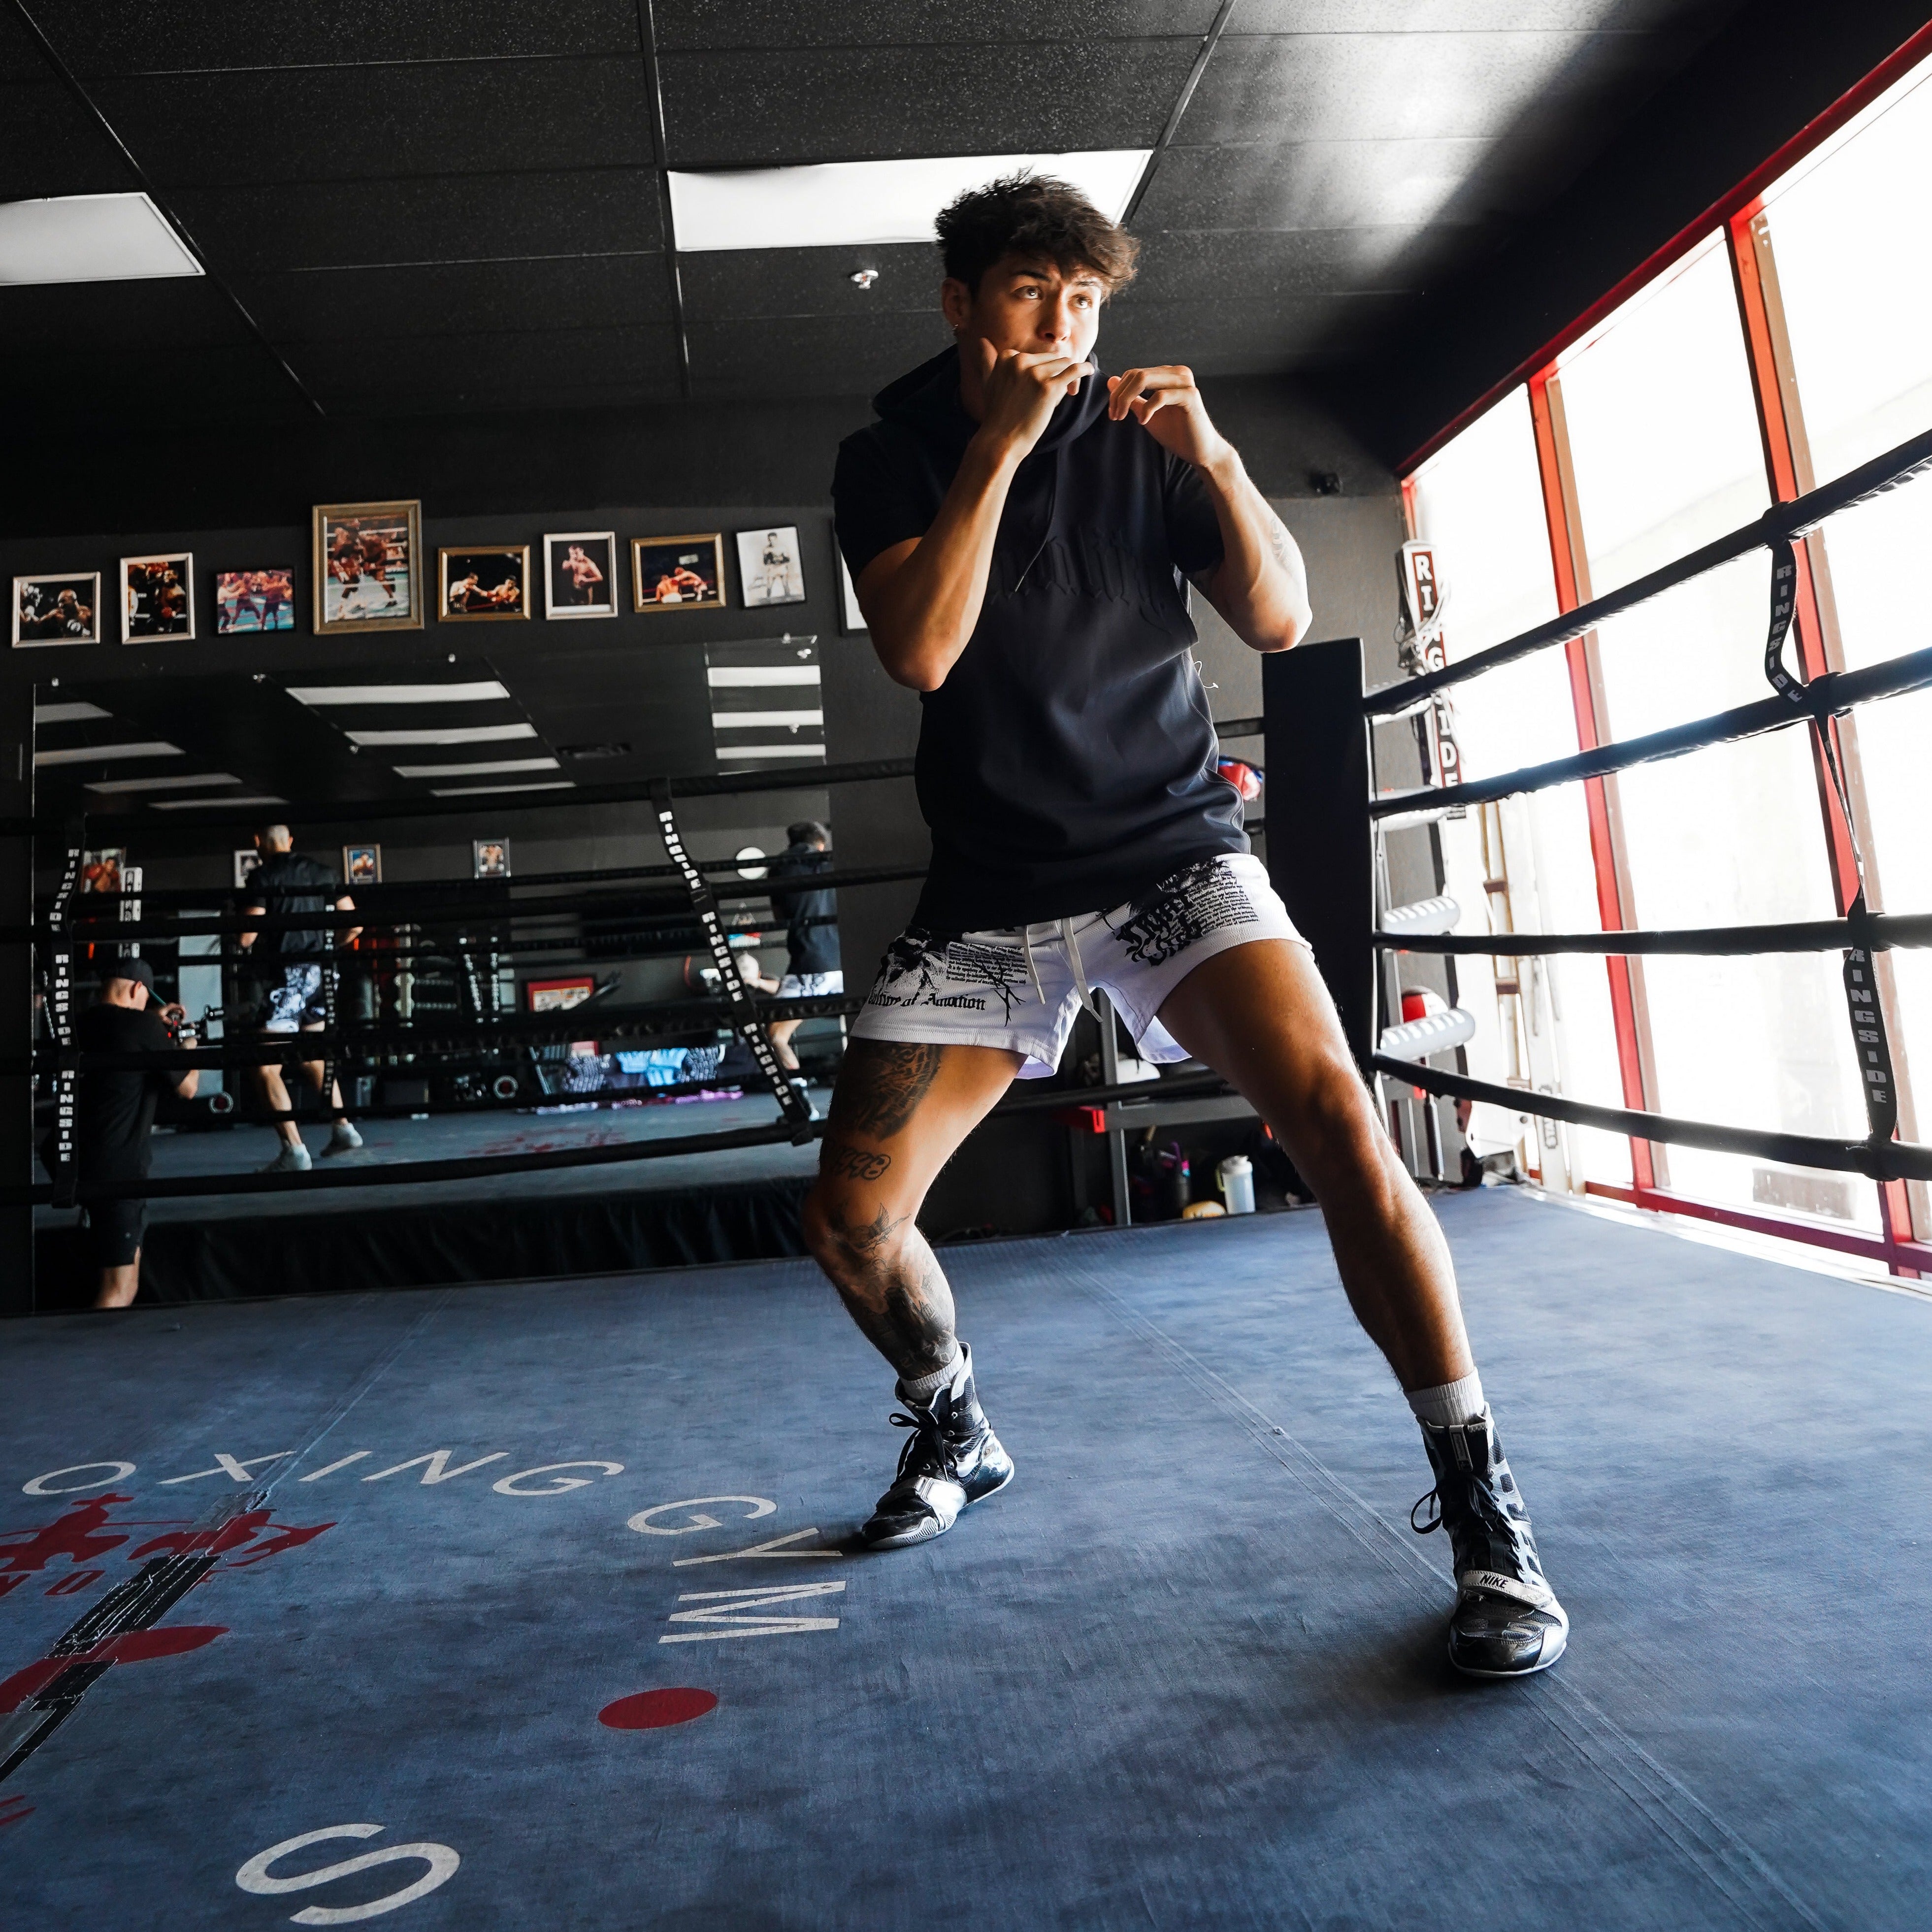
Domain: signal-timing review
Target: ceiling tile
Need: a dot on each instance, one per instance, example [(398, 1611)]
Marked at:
[(479, 365), (1252, 337), (470, 298), (741, 24), (1480, 16), (1315, 184), (1220, 265), (242, 34), (50, 145), (736, 109), (751, 282), (1358, 86), (425, 218), (312, 125), (811, 355), (167, 312)]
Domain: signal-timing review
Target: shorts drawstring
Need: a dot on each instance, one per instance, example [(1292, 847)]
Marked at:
[(1079, 968), (1033, 970)]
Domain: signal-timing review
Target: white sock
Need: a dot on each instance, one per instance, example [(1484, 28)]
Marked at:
[(924, 1388), (1451, 1403)]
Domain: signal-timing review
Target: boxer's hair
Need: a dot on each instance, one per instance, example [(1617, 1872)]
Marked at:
[(808, 832), (1034, 215)]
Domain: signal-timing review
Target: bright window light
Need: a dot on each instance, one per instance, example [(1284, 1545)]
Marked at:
[(487, 768), (71, 713), (183, 784), (89, 238), (88, 755), (447, 734), (732, 721), (476, 791), (398, 694), (228, 798), (862, 204)]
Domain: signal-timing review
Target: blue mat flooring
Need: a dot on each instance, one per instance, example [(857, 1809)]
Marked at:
[(1187, 1671)]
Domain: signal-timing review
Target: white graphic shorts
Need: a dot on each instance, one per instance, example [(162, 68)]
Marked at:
[(1021, 987), (297, 1002), (811, 985)]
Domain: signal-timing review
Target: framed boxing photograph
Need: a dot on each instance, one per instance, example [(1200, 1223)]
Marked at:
[(254, 600), (557, 996), (678, 573), (483, 585), (156, 596), (368, 562), (492, 857), (581, 574), (361, 865), (59, 608), (768, 569), (245, 862)]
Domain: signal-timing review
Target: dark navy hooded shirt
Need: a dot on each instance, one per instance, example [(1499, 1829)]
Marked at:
[(1067, 765)]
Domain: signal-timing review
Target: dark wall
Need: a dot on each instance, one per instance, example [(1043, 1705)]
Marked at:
[(1778, 66)]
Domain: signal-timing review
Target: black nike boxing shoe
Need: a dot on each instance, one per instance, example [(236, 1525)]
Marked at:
[(951, 1459), (1507, 1621)]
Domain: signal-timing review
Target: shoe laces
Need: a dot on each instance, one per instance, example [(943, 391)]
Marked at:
[(927, 1437)]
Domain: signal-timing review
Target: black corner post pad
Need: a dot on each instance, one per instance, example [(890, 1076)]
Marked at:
[(1320, 853), (744, 1021)]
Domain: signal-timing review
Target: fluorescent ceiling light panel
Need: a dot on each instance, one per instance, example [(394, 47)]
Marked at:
[(474, 791), (72, 713), (863, 204), (736, 720), (771, 751), (189, 804), (89, 238), (724, 677), (88, 755), (163, 785), (482, 769), (397, 694), (447, 734)]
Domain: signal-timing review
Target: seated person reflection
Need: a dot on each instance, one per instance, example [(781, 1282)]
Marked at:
[(117, 1117)]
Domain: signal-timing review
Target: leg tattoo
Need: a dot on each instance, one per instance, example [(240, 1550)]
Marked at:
[(881, 1085), (894, 1289)]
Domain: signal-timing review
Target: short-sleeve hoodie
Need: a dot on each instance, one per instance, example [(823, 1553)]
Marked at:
[(1067, 763)]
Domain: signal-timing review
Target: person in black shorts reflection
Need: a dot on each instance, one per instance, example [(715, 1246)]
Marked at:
[(284, 885), (1025, 535), (812, 969), (117, 1117)]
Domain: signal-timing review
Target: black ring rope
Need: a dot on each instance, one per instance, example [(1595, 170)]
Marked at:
[(745, 1021), (1881, 930), (1885, 1160), (1883, 473)]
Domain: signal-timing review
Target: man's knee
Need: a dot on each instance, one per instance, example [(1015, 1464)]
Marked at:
[(850, 1230), (1341, 1138)]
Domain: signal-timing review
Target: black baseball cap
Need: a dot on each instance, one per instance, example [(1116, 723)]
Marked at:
[(134, 968)]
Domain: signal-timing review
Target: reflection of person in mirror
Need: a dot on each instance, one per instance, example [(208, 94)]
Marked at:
[(584, 575)]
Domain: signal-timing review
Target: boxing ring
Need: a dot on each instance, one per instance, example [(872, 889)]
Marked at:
[(506, 1607)]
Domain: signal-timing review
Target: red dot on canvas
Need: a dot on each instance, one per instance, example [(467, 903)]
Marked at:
[(652, 1710)]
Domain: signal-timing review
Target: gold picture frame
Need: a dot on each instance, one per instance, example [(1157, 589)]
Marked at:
[(356, 546), (681, 563), (482, 602)]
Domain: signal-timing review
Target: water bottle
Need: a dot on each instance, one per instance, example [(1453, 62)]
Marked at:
[(1236, 1175)]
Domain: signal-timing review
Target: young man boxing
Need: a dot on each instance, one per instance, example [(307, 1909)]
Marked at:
[(1021, 534)]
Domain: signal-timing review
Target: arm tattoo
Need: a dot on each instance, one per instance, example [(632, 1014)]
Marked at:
[(882, 1084), (1282, 543)]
